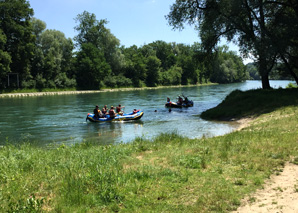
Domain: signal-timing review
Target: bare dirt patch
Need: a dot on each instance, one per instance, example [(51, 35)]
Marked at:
[(244, 122), (280, 194)]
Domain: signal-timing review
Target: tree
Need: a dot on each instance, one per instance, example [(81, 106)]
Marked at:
[(227, 67), (57, 52), (135, 68), (284, 26), (37, 64), (163, 53), (172, 76), (153, 71), (244, 22), (15, 25), (5, 60), (91, 67), (94, 32)]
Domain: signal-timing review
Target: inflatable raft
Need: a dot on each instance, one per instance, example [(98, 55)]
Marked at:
[(176, 105), (124, 117)]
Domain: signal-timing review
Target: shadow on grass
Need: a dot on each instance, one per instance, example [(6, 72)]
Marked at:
[(252, 103)]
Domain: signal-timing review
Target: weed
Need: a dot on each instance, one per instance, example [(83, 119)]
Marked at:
[(31, 205), (295, 188), (252, 199)]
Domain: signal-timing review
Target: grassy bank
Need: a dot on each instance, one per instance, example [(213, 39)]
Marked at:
[(252, 103), (167, 174)]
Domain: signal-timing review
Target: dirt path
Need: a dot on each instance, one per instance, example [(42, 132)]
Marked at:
[(280, 194)]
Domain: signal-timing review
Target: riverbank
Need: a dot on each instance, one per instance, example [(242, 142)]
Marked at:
[(168, 174), (252, 103), (33, 94)]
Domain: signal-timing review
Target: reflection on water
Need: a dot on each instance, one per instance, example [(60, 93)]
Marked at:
[(61, 119)]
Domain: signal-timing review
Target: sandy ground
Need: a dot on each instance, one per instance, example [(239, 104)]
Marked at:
[(279, 193)]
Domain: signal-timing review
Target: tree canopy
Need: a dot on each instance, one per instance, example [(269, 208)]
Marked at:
[(94, 58), (251, 24)]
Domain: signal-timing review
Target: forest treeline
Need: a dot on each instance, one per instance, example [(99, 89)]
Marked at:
[(32, 56)]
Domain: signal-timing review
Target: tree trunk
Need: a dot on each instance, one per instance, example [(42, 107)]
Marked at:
[(265, 82), (262, 50), (264, 72)]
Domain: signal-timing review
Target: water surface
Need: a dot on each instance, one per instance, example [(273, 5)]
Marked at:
[(61, 118)]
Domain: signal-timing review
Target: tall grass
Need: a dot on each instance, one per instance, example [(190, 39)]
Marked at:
[(167, 174)]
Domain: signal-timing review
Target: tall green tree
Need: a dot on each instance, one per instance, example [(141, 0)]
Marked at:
[(172, 76), (91, 67), (244, 22), (92, 31), (15, 16), (227, 67), (135, 67), (5, 61), (38, 60), (57, 52), (200, 59), (153, 71), (163, 52)]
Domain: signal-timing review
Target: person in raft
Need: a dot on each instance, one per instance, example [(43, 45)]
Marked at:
[(180, 100), (105, 110), (118, 109), (112, 112), (96, 112)]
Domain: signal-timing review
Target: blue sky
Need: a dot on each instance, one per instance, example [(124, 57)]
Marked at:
[(133, 22)]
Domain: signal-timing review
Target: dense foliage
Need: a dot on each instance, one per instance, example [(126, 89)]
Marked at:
[(35, 57), (278, 72), (266, 30)]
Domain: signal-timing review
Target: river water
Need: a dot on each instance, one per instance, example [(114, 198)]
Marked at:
[(61, 118)]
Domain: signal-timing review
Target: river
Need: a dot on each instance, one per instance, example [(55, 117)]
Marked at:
[(61, 118)]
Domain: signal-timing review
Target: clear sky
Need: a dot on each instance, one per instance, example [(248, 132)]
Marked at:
[(133, 22)]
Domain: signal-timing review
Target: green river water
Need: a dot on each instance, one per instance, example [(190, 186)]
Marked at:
[(61, 118)]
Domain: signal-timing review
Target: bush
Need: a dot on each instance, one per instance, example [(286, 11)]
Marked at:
[(117, 81), (40, 81), (291, 85)]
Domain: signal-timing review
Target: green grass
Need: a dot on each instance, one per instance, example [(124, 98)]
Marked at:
[(168, 174), (240, 104)]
